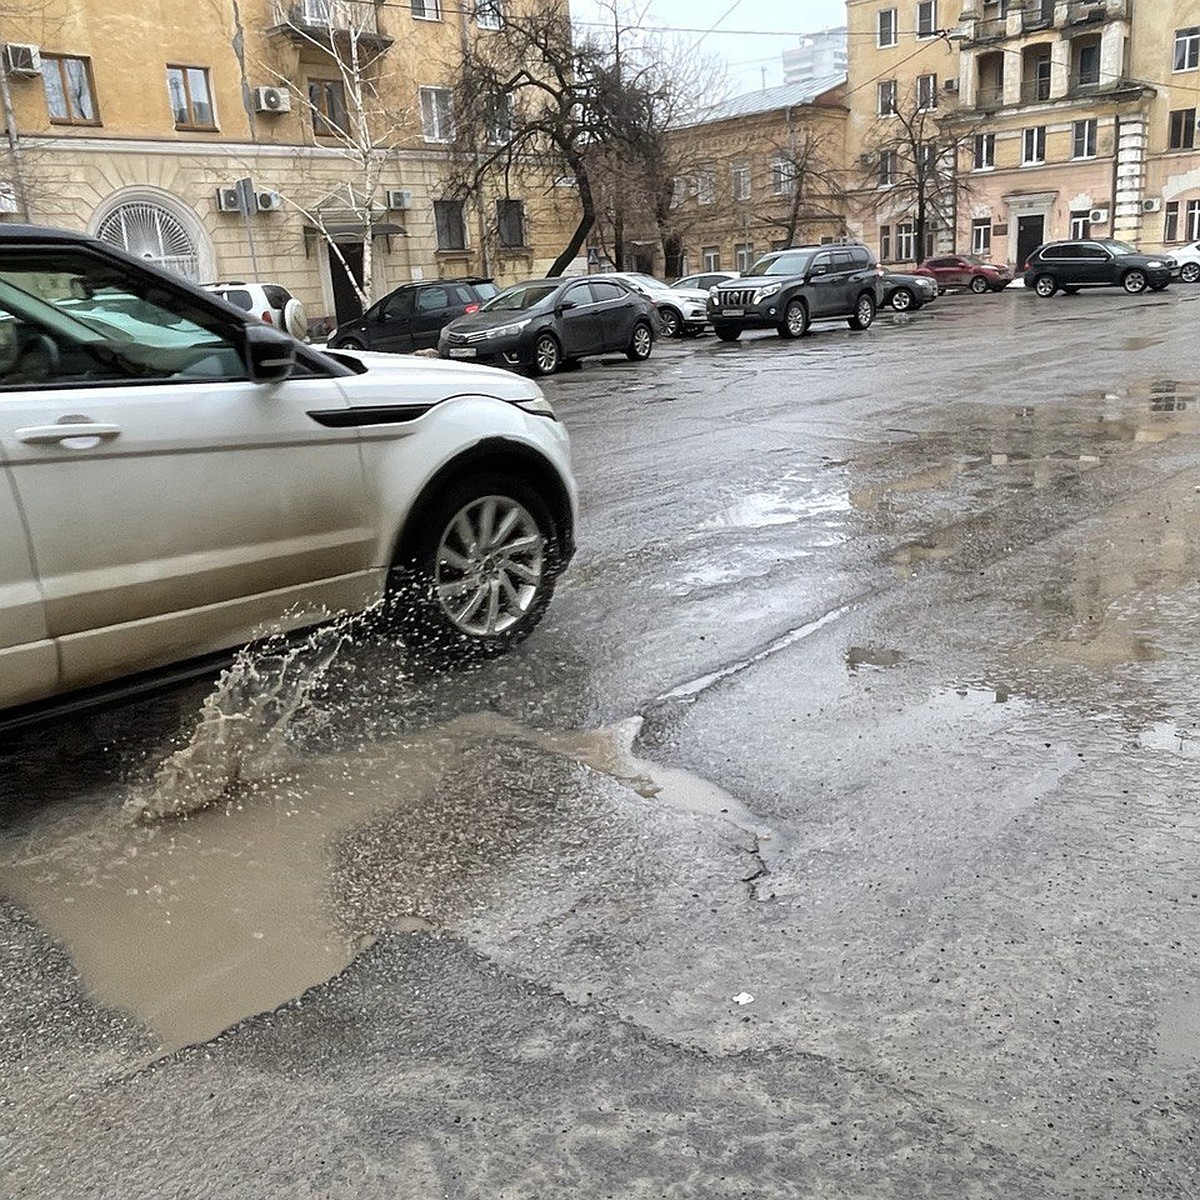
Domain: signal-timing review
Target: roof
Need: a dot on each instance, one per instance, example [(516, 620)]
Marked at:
[(787, 95)]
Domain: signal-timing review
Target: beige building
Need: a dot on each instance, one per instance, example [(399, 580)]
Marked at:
[(1074, 117), (764, 172), (135, 119)]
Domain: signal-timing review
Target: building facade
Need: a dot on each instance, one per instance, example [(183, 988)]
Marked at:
[(818, 56), (1068, 118), (135, 119)]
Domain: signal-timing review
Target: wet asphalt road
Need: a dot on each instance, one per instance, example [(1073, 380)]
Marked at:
[(837, 835)]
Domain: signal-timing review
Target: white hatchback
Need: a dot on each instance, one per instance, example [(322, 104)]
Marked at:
[(176, 479)]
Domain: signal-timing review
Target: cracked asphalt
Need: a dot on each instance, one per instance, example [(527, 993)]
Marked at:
[(837, 835)]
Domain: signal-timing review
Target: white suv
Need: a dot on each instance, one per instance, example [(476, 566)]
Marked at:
[(271, 303), (176, 479)]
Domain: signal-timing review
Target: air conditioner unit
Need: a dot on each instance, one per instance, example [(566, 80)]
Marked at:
[(227, 199), (268, 201), (399, 198), (272, 100), (21, 59), (950, 86), (1151, 205), (1098, 216)]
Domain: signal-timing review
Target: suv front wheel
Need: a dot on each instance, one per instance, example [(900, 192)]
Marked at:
[(795, 320), (1045, 285), (1134, 282), (864, 312)]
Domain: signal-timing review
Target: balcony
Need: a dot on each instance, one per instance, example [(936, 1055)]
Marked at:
[(989, 99), (1035, 91), (1038, 14), (331, 23), (1087, 12)]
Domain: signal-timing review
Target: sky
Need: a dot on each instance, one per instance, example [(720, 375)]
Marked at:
[(749, 35)]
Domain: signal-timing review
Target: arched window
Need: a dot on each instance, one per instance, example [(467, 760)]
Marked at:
[(151, 232)]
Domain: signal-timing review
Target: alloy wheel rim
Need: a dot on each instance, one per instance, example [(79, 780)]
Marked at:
[(547, 355), (795, 318), (641, 341), (865, 312), (490, 566), (1190, 272), (1045, 286), (1135, 281), (670, 323), (901, 301)]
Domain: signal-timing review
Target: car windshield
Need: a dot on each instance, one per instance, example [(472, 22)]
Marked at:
[(782, 264), (646, 281), (974, 259), (523, 295), (1118, 247)]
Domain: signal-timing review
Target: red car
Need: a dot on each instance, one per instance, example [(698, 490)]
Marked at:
[(966, 271)]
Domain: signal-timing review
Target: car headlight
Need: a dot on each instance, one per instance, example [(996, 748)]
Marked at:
[(509, 330), (539, 407), (714, 292), (764, 292), (1156, 262)]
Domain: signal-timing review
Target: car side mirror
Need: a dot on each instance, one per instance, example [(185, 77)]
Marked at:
[(270, 355), (820, 269), (565, 305)]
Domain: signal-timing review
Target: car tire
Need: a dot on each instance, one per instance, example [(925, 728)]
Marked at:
[(672, 322), (547, 354), (1070, 291), (1045, 286), (901, 300), (448, 596), (1134, 282), (641, 343), (864, 312), (794, 322), (1158, 287), (979, 284), (1189, 272), (727, 333), (348, 344)]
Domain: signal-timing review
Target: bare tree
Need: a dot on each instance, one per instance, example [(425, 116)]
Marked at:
[(809, 179)]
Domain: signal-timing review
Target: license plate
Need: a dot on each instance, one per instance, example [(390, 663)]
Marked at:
[(462, 352), (733, 312)]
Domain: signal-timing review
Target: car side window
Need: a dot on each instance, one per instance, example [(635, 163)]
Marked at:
[(431, 299), (579, 295), (1063, 252), (486, 289), (860, 257), (842, 260), (239, 298), (74, 318), (462, 294), (603, 290), (1093, 253), (277, 297), (398, 305)]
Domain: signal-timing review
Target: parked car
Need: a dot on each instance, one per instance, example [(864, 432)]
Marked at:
[(1187, 259), (967, 271), (545, 323), (168, 496), (787, 289), (412, 317), (271, 303), (1102, 262), (706, 280), (684, 311), (905, 293)]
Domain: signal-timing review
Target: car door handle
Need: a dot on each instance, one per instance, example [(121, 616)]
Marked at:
[(45, 435)]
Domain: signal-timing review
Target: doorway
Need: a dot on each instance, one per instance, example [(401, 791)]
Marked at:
[(346, 304), (1031, 233)]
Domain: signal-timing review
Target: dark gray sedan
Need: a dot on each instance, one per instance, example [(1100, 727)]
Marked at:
[(544, 323)]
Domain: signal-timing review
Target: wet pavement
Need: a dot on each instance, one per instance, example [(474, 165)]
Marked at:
[(836, 835)]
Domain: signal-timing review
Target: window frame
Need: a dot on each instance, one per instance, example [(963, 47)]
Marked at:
[(741, 181), (1192, 221), (1189, 38), (444, 207), (1171, 221), (706, 186), (981, 245), (1080, 223), (906, 239), (1089, 128), (783, 180), (433, 91), (928, 83), (431, 10), (880, 44), (1038, 134), (886, 168), (183, 69), (495, 8), (320, 115), (1187, 121), (60, 61), (885, 243), (505, 206), (984, 152), (711, 257), (926, 8), (885, 87)]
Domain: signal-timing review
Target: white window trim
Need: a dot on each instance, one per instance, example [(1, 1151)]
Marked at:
[(1095, 140), (741, 174), (880, 44), (439, 136), (925, 37), (1033, 162), (933, 93), (1182, 70), (895, 93), (435, 5)]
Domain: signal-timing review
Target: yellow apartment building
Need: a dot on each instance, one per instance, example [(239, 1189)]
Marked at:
[(1074, 118), (135, 119)]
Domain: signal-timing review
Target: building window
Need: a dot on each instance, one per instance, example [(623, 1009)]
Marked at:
[(679, 190), (783, 177), (981, 235), (885, 242), (437, 114), (927, 19), (1083, 139), (327, 102), (427, 10), (886, 29), (985, 151), (743, 257), (488, 14), (1033, 145), (450, 226), (926, 91), (906, 242), (500, 121), (1187, 48), (1182, 134), (510, 220), (886, 105), (1087, 64), (1193, 221), (741, 183), (153, 234), (887, 168), (70, 94), (927, 155), (712, 258), (191, 97), (706, 186), (1171, 221), (1081, 223)]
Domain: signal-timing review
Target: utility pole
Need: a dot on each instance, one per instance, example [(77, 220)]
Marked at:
[(14, 146)]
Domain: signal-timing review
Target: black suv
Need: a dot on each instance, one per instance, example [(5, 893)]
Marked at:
[(411, 317), (787, 289), (1102, 262)]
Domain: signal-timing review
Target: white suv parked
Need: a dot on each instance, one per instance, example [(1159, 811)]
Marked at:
[(271, 303), (176, 479)]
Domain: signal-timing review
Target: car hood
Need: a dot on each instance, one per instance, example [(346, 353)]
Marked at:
[(397, 378), (474, 322), (696, 294)]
